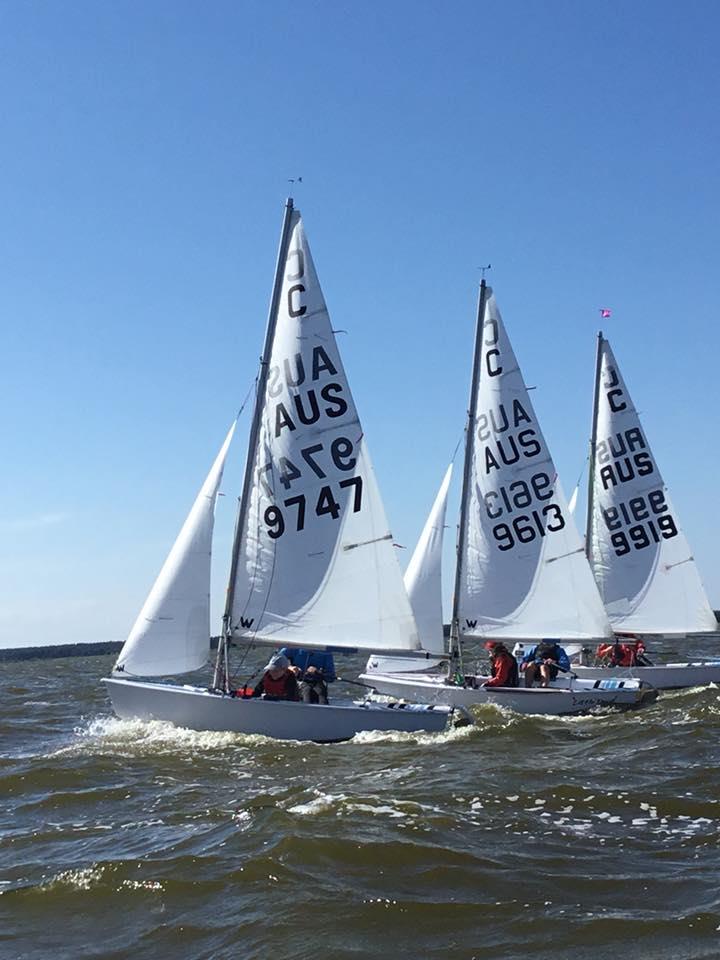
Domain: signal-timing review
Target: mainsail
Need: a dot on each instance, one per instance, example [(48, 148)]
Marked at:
[(314, 563), (522, 572), (641, 560), (423, 577), (172, 632)]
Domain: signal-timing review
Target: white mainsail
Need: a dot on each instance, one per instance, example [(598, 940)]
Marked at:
[(172, 632), (423, 577), (524, 574), (315, 564), (640, 557)]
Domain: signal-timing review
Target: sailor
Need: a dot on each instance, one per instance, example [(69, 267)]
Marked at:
[(544, 659), (503, 665), (314, 669), (278, 681)]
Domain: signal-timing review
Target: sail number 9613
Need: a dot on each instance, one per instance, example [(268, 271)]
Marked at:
[(519, 495)]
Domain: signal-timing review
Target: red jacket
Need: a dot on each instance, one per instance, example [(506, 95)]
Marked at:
[(505, 671)]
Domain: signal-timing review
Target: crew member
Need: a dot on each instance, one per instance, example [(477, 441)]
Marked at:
[(503, 665), (544, 660), (278, 681), (314, 669)]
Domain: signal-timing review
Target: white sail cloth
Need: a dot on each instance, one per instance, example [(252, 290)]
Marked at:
[(640, 557), (423, 577), (172, 632), (524, 574), (316, 564)]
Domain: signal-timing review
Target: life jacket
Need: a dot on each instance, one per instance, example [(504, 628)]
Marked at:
[(513, 673), (278, 689), (621, 654), (544, 650)]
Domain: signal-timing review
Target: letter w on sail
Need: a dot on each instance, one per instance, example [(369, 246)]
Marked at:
[(246, 622), (471, 624)]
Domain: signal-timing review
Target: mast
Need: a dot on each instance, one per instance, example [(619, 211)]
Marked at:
[(455, 649), (221, 664), (593, 444)]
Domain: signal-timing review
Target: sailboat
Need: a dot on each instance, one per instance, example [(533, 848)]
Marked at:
[(641, 559), (521, 573), (313, 561)]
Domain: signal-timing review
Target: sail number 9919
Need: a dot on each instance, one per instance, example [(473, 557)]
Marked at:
[(646, 519)]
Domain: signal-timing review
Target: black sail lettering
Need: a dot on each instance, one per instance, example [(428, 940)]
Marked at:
[(314, 414), (616, 407), (529, 442), (340, 404), (292, 309), (493, 368), (282, 419), (320, 362)]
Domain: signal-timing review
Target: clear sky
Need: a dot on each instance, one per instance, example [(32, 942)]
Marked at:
[(146, 152)]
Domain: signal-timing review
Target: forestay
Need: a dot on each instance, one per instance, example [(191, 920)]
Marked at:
[(316, 564), (172, 632), (423, 577), (524, 573), (639, 555)]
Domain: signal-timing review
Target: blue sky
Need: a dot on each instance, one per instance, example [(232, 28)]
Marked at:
[(145, 159)]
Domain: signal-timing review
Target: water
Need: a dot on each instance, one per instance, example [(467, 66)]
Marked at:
[(520, 837)]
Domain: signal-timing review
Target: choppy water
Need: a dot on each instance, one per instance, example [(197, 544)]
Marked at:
[(521, 837)]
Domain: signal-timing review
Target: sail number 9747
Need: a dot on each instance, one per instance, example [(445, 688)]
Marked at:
[(315, 461)]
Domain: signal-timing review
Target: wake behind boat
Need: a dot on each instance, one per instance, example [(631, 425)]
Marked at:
[(313, 563), (521, 571)]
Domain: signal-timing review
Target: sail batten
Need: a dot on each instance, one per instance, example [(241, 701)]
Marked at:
[(172, 632), (640, 557)]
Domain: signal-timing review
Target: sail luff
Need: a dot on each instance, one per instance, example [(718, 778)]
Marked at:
[(467, 469), (285, 233), (593, 444)]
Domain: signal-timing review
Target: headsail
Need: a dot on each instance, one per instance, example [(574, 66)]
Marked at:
[(314, 560), (523, 573), (641, 560), (172, 632), (423, 577)]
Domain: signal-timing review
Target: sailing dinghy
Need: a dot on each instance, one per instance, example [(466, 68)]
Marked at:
[(641, 559), (313, 562), (521, 572)]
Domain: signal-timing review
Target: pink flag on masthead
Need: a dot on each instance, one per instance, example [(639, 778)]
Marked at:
[(604, 313)]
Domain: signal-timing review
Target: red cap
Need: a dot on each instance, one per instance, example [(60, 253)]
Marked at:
[(490, 644)]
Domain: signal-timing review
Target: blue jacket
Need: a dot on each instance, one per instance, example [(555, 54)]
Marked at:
[(563, 661), (303, 659)]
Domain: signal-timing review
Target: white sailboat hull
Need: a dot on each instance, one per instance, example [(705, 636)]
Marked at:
[(666, 676), (575, 697), (196, 708)]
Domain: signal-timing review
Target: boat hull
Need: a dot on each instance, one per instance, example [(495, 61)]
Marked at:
[(666, 676), (570, 698), (196, 708)]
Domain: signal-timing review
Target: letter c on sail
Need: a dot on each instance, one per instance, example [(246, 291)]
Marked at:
[(301, 309), (611, 395)]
